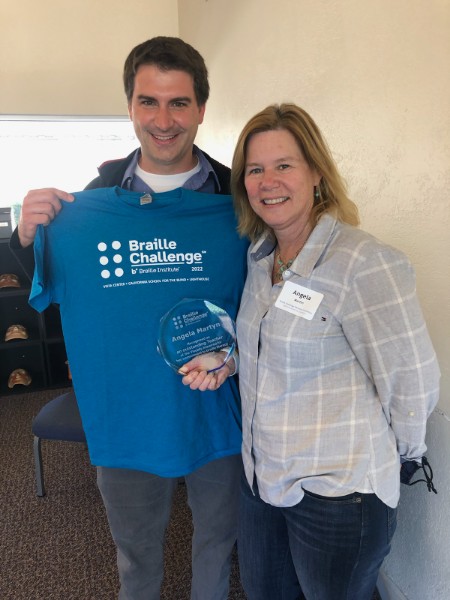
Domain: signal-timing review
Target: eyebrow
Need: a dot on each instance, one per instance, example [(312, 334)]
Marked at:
[(186, 99), (278, 160)]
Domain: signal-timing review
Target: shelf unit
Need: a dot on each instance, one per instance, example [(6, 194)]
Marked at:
[(43, 354)]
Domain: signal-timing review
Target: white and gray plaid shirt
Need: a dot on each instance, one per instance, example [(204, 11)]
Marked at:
[(330, 402)]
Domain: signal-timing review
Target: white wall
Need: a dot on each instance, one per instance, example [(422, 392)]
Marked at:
[(375, 75), (66, 56)]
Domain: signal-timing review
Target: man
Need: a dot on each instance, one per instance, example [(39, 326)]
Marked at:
[(167, 88)]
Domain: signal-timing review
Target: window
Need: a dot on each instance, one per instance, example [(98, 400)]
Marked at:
[(61, 152)]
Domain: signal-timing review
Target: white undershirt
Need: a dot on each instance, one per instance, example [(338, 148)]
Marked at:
[(165, 183)]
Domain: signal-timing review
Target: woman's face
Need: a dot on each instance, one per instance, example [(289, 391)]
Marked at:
[(279, 182)]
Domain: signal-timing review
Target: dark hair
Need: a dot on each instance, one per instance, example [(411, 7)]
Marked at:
[(168, 53), (331, 189)]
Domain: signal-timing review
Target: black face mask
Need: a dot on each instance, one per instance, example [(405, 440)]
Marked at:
[(410, 467)]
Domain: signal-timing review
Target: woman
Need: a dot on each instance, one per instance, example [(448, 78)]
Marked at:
[(337, 374)]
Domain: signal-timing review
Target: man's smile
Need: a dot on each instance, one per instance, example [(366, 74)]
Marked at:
[(163, 138)]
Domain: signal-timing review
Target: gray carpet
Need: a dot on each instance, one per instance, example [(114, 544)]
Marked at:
[(59, 547)]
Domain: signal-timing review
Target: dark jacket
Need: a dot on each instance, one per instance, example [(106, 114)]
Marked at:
[(110, 174)]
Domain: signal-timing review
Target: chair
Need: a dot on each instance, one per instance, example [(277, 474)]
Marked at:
[(59, 419)]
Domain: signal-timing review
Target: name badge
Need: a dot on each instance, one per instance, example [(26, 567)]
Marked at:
[(298, 300)]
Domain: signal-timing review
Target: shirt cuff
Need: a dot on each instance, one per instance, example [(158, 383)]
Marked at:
[(234, 355)]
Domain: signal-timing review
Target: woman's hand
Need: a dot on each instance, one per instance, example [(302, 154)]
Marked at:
[(207, 371)]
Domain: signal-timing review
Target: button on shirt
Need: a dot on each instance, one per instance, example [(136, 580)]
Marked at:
[(330, 401)]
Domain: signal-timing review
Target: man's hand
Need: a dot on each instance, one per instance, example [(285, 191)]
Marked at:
[(198, 374), (39, 207)]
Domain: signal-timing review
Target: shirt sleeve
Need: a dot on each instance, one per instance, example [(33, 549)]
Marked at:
[(40, 294), (384, 325)]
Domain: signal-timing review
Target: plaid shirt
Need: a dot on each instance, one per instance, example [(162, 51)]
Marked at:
[(331, 401)]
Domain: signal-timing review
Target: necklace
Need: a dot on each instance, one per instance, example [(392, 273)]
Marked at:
[(282, 266)]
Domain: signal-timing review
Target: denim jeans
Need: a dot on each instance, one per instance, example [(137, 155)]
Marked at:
[(320, 549), (138, 507)]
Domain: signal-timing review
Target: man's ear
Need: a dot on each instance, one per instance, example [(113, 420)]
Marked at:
[(201, 111)]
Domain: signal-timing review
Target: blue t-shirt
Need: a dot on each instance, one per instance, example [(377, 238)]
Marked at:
[(116, 262)]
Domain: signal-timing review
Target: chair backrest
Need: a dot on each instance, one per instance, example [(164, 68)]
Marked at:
[(59, 419)]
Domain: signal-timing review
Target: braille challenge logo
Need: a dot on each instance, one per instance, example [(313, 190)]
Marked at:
[(178, 322), (159, 257), (110, 258)]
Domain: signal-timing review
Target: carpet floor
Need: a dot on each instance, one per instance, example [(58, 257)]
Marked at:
[(59, 547)]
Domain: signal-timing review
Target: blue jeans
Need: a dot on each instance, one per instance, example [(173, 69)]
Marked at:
[(320, 549), (138, 508)]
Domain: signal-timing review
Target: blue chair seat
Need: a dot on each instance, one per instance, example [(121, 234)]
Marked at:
[(60, 420)]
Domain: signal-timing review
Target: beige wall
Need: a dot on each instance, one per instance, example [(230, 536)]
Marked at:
[(66, 56), (375, 76)]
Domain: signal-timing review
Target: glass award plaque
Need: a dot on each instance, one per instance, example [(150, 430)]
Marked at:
[(194, 327)]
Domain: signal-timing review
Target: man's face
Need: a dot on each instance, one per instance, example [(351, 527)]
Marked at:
[(166, 117)]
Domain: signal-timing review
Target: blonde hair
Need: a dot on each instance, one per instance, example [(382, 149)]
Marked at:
[(332, 189)]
